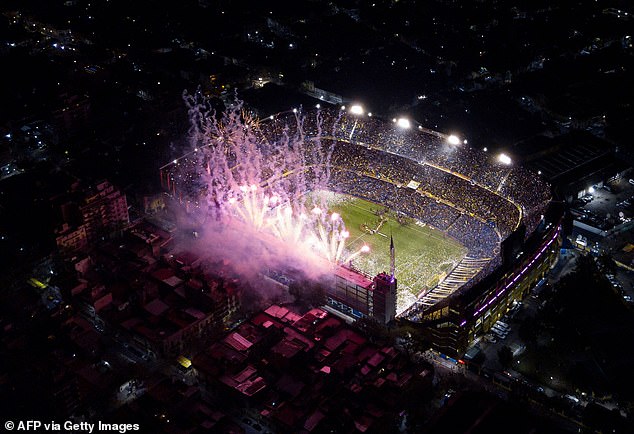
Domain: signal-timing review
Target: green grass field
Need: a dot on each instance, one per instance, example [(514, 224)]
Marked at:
[(423, 254)]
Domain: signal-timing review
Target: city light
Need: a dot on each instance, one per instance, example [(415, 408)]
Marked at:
[(504, 159), (403, 123), (356, 109), (453, 140)]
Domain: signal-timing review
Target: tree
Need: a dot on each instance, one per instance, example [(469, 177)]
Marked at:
[(607, 263), (528, 330), (505, 356)]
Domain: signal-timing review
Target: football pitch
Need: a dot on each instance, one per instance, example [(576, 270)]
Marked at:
[(423, 254)]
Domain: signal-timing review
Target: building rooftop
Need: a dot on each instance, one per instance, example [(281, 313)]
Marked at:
[(353, 276)]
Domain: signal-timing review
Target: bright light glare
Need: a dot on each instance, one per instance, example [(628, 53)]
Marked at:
[(403, 123), (356, 109), (365, 248), (334, 217), (453, 140), (504, 159), (591, 190)]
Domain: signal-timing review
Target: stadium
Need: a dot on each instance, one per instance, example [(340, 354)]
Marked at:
[(494, 230)]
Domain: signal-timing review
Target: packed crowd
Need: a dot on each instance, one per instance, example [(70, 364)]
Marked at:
[(459, 193), (480, 238), (428, 148), (452, 187)]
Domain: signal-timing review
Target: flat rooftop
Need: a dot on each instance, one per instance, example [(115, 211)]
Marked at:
[(353, 276)]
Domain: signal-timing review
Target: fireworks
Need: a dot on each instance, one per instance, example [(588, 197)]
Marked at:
[(265, 182)]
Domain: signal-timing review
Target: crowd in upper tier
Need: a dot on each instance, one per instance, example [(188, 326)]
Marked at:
[(469, 179), (447, 184)]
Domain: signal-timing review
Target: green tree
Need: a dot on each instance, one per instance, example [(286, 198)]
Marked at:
[(528, 330), (505, 356)]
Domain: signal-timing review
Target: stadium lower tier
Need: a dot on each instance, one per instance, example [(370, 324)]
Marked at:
[(477, 236), (441, 185), (455, 322)]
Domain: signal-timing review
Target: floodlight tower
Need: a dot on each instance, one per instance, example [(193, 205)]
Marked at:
[(403, 123), (453, 140), (505, 159), (356, 110)]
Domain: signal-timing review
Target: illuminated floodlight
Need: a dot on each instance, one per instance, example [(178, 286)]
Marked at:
[(539, 172), (370, 114), (504, 159), (175, 161), (403, 123), (318, 106), (453, 140), (356, 109), (294, 110), (485, 149)]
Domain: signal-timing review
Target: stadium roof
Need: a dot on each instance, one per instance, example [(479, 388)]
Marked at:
[(557, 157)]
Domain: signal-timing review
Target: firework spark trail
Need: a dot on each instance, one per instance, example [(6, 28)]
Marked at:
[(262, 178)]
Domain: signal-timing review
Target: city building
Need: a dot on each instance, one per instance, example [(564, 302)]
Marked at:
[(90, 214)]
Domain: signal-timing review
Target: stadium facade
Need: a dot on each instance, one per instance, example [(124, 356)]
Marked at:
[(357, 296), (500, 212)]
